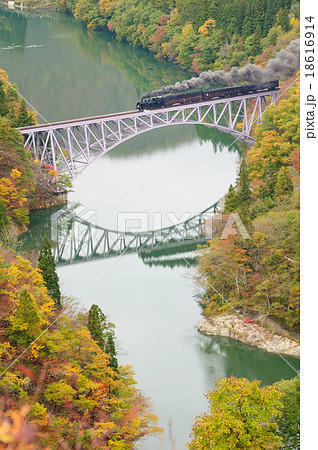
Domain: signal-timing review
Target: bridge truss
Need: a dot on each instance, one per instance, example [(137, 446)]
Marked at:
[(72, 146), (75, 239)]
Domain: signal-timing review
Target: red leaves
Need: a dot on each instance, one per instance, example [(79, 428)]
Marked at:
[(248, 320), (22, 368)]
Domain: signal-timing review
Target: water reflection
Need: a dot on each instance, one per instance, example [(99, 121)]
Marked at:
[(76, 237), (223, 356), (92, 74), (12, 31)]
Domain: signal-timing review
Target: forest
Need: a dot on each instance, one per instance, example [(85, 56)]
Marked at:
[(198, 35), (262, 272)]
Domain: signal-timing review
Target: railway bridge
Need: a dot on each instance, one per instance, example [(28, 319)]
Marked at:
[(76, 239), (71, 146)]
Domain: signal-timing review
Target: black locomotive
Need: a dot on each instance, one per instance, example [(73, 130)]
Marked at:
[(195, 97)]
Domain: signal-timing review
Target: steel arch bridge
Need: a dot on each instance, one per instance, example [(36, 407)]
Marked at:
[(75, 239), (72, 146)]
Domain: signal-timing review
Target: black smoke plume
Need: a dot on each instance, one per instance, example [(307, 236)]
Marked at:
[(282, 67)]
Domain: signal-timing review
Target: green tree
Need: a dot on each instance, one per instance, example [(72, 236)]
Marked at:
[(3, 101), (230, 201), (283, 19), (4, 217), (242, 415), (110, 349), (270, 180), (256, 47), (25, 118), (244, 193), (102, 332), (289, 422), (284, 185), (47, 265), (24, 321), (95, 319)]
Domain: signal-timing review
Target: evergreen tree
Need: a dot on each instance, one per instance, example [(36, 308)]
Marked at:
[(270, 179), (4, 218), (284, 185), (110, 349), (248, 23), (103, 333), (283, 19), (256, 46), (244, 194), (3, 101), (25, 118), (95, 319), (269, 17), (47, 266), (230, 201)]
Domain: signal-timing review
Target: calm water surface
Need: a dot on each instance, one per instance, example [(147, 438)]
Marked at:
[(66, 72)]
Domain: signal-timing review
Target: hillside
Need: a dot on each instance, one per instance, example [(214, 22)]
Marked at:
[(262, 272)]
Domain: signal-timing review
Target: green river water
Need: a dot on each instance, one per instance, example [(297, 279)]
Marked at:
[(67, 72)]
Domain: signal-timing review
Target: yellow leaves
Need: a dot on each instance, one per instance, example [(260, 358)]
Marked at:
[(207, 28), (4, 349), (85, 384), (20, 276), (73, 373), (76, 12), (187, 30), (14, 197), (15, 174), (240, 405), (260, 238), (11, 382), (34, 350), (277, 135), (53, 173), (293, 20), (4, 75), (270, 146), (59, 392), (104, 7), (102, 428), (39, 414)]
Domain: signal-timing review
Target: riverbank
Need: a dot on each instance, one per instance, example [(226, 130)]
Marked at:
[(231, 325), (17, 229)]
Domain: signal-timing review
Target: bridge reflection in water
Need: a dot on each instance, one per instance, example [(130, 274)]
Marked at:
[(76, 239)]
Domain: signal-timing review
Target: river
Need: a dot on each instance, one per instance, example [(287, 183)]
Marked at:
[(66, 72)]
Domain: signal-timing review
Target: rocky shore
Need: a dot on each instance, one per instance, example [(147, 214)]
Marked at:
[(233, 326)]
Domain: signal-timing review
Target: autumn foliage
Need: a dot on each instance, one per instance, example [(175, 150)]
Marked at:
[(23, 181), (55, 381), (199, 35), (261, 273), (242, 415)]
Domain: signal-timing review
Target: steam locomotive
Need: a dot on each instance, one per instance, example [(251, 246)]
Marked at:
[(195, 97)]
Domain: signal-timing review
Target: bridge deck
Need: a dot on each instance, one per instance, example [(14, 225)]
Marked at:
[(72, 145), (132, 114)]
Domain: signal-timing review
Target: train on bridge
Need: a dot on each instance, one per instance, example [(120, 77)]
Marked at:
[(147, 103)]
